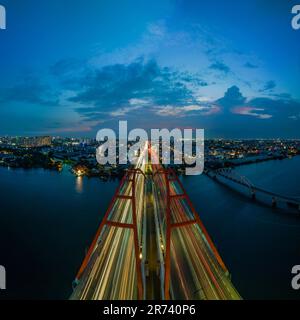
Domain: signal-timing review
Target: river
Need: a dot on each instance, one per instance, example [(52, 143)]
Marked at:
[(48, 220)]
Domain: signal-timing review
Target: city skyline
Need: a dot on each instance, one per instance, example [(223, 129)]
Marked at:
[(233, 71)]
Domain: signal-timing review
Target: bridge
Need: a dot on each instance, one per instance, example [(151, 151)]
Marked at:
[(231, 178), (151, 244)]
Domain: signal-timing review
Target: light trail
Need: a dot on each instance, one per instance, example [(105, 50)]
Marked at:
[(111, 271), (140, 252), (196, 271)]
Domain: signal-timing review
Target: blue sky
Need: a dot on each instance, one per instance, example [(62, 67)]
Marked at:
[(71, 68)]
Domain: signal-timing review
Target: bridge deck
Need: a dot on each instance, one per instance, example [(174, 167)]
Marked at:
[(175, 259)]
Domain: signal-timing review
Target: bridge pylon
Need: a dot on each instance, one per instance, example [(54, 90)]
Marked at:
[(126, 191), (174, 192)]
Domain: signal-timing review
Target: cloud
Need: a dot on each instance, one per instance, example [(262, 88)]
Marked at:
[(65, 67), (220, 66), (250, 111), (295, 117), (29, 91), (140, 102), (282, 107), (124, 111), (249, 65), (120, 87), (133, 105), (118, 90), (157, 29), (188, 110), (194, 79), (279, 106), (282, 96), (232, 97), (269, 85)]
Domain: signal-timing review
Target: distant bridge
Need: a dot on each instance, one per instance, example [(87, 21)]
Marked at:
[(226, 175)]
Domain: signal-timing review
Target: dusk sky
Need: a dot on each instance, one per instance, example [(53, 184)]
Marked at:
[(70, 68)]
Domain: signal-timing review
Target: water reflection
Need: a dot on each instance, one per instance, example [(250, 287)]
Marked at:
[(79, 185)]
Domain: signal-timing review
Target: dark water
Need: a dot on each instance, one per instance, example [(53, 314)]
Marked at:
[(48, 219)]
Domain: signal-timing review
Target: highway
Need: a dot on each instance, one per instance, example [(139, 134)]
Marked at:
[(152, 245), (111, 272), (153, 283), (196, 269)]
